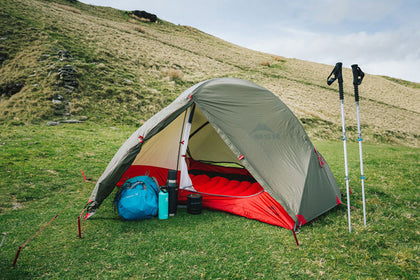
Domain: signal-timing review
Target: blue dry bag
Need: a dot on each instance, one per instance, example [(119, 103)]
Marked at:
[(137, 199)]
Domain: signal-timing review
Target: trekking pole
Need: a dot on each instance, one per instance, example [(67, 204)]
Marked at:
[(357, 80), (337, 72)]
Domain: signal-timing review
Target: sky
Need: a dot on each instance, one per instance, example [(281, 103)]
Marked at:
[(381, 36)]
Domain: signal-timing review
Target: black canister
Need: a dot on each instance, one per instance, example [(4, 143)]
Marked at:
[(172, 186), (194, 203)]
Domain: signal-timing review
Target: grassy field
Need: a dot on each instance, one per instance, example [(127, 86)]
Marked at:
[(126, 70), (40, 176)]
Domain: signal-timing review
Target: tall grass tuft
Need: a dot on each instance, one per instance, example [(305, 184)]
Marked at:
[(174, 75)]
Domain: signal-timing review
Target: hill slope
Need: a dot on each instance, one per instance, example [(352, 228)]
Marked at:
[(64, 59)]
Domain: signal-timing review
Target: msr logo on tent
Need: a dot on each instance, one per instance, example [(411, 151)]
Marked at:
[(263, 132)]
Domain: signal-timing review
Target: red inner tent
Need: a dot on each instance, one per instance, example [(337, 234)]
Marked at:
[(228, 189)]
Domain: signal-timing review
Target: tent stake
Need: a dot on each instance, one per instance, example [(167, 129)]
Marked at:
[(294, 235), (80, 229), (337, 72), (357, 80), (17, 255)]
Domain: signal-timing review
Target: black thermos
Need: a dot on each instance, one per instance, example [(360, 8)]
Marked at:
[(173, 192)]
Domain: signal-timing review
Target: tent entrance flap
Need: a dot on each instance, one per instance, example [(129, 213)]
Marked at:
[(162, 149)]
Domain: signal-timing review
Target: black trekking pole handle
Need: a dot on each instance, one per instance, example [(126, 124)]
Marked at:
[(357, 80), (338, 75)]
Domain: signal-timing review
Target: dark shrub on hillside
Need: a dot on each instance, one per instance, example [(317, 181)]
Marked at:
[(145, 15)]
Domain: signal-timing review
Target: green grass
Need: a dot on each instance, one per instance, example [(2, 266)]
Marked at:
[(40, 175), (403, 82), (124, 77)]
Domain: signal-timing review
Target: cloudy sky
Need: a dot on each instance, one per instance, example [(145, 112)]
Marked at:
[(382, 36)]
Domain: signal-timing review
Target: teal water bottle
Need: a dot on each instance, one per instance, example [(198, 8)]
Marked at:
[(163, 201)]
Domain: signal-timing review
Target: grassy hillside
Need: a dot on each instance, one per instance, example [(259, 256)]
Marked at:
[(67, 60)]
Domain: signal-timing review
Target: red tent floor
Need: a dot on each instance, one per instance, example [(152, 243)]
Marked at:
[(241, 196)]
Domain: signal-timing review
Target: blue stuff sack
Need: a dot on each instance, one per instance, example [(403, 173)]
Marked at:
[(138, 198)]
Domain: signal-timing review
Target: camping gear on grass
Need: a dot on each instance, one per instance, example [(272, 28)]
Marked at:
[(194, 203), (337, 72), (137, 198), (163, 203), (172, 187), (357, 80), (236, 144)]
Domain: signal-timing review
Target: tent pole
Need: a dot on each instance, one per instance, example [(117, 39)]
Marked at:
[(190, 117), (337, 72), (357, 80), (180, 140)]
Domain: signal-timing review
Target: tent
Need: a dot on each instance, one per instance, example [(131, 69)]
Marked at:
[(238, 145)]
